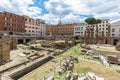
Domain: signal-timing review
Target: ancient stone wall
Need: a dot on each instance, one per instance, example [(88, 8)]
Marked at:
[(4, 49)]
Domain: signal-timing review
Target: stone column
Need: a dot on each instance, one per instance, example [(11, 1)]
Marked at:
[(97, 38), (88, 36), (108, 35), (103, 37), (24, 40), (66, 42), (85, 36), (92, 35)]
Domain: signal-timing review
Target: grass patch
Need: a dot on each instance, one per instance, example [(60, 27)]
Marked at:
[(59, 77), (75, 50)]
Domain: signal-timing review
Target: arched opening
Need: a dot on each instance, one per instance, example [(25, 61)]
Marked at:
[(10, 33), (105, 41), (27, 40), (20, 41), (115, 41)]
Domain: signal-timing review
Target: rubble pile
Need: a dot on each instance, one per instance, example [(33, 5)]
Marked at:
[(67, 69), (113, 59), (85, 46), (118, 46), (46, 44)]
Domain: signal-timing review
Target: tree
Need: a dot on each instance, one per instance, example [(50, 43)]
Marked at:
[(98, 21), (92, 21), (76, 37)]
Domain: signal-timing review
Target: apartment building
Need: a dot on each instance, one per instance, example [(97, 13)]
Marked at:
[(80, 29), (115, 29), (115, 32), (34, 27), (11, 23), (60, 30), (103, 26)]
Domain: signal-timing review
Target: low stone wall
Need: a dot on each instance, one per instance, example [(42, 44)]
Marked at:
[(26, 70), (10, 68)]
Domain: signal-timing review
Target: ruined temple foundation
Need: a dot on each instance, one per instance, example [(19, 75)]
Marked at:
[(93, 38)]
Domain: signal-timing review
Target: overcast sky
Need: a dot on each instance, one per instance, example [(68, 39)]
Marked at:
[(65, 10)]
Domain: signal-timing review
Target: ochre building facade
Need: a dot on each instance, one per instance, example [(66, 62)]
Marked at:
[(10, 22), (60, 29)]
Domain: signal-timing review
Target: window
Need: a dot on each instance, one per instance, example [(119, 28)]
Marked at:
[(106, 28), (10, 24), (16, 25), (25, 19), (113, 34), (113, 29), (5, 24), (16, 17), (81, 28), (16, 28), (5, 18), (5, 28), (10, 19), (29, 20)]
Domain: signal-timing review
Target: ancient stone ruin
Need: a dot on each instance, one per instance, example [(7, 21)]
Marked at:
[(92, 36), (118, 46)]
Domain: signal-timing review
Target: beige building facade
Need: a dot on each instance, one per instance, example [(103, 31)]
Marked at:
[(115, 32), (34, 27), (80, 29)]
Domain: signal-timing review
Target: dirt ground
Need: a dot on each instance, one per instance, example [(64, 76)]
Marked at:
[(107, 73)]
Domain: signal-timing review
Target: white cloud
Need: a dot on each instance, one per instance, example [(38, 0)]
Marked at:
[(59, 10), (65, 10), (57, 7), (72, 10), (20, 7)]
